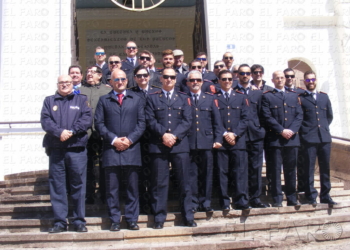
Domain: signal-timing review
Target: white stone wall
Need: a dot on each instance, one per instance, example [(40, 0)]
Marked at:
[(35, 49), (272, 32)]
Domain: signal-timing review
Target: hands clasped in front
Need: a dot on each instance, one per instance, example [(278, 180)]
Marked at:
[(122, 143)]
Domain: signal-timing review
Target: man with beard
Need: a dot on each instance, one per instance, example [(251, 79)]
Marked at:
[(257, 81), (316, 139), (205, 134), (94, 89), (254, 136), (282, 116)]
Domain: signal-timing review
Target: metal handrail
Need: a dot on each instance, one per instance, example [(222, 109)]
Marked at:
[(341, 138)]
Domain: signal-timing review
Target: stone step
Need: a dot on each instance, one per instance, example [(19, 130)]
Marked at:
[(24, 182), (256, 215), (209, 235), (25, 175)]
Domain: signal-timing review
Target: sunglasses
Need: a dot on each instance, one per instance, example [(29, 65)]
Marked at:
[(258, 72), (201, 59), (228, 57), (196, 67), (195, 80), (100, 53), (226, 79), (119, 79), (310, 80), (145, 58), (219, 66), (113, 62), (130, 48), (235, 71), (167, 77), (244, 73), (289, 76), (141, 75)]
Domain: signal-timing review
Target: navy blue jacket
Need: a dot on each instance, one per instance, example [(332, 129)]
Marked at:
[(127, 120), (318, 115), (127, 66), (71, 113), (206, 126), (234, 117), (174, 118), (281, 112), (255, 129)]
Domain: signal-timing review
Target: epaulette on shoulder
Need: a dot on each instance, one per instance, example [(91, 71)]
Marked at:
[(156, 87), (323, 92), (181, 92), (157, 92), (239, 92), (291, 91), (208, 93), (267, 91)]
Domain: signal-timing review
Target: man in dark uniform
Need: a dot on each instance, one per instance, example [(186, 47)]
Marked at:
[(65, 117), (207, 85), (153, 77), (144, 88), (120, 120), (94, 89), (282, 116), (169, 119), (205, 134), (316, 139), (254, 136), (232, 157), (168, 62), (130, 62)]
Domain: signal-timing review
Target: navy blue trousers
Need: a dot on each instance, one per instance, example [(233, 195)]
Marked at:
[(70, 162)]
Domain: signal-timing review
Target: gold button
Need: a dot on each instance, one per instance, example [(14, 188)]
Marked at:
[(196, 115), (169, 108), (228, 114), (319, 125), (197, 122), (169, 129), (316, 112), (318, 119), (285, 119), (228, 121), (316, 106), (229, 129), (285, 104), (197, 129), (228, 107), (286, 111), (169, 121), (169, 114), (196, 108)]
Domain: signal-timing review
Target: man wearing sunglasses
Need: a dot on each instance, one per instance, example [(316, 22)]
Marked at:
[(94, 89), (316, 139), (100, 57), (169, 118), (282, 115), (153, 77), (209, 75), (130, 62), (120, 120), (114, 62), (65, 117), (232, 156), (254, 136), (257, 75), (205, 134), (228, 60)]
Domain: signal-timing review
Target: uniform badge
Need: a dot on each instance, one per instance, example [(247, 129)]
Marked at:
[(54, 108)]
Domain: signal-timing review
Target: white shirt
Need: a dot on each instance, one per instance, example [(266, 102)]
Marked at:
[(171, 92)]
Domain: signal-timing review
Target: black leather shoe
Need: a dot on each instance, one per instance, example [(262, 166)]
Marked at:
[(81, 228), (312, 202), (277, 205), (191, 223), (225, 208), (294, 203), (329, 202), (246, 207), (158, 225), (208, 209), (57, 229), (258, 205), (133, 225), (115, 227)]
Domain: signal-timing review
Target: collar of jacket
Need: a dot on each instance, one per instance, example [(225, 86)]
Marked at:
[(58, 96)]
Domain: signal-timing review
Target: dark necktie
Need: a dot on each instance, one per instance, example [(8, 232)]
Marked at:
[(120, 98), (196, 99), (168, 97), (132, 61), (227, 96)]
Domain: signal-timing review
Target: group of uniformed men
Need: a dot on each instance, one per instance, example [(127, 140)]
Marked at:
[(180, 118)]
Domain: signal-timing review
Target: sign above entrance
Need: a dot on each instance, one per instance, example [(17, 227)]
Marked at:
[(138, 5)]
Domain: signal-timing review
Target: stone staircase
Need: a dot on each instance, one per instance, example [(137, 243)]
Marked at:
[(26, 215)]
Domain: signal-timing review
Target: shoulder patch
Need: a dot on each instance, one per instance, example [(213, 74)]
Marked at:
[(239, 92), (267, 91)]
